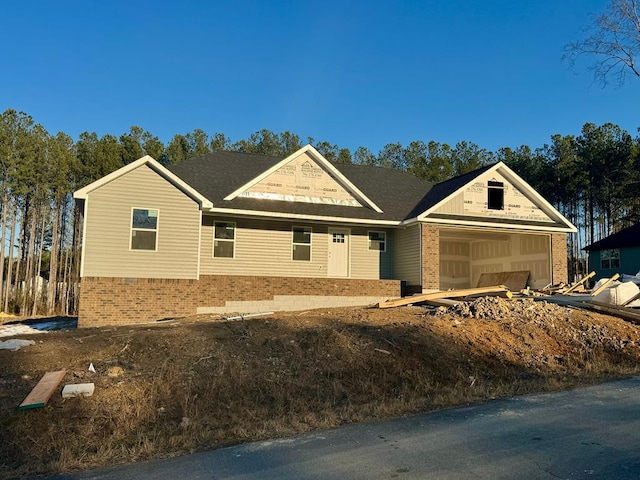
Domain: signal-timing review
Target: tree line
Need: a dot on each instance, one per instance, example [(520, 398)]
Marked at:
[(592, 178)]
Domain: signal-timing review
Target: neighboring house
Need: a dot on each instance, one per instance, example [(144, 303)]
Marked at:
[(235, 232), (617, 253)]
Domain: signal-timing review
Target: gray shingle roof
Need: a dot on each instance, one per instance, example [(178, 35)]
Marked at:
[(400, 195), (628, 237)]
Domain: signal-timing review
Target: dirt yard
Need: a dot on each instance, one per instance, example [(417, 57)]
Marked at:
[(200, 383)]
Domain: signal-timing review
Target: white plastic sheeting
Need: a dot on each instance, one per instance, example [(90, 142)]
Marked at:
[(618, 293)]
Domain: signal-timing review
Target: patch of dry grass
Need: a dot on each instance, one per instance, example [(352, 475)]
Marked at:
[(190, 386)]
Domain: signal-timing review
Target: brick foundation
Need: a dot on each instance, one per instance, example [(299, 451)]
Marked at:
[(113, 301)]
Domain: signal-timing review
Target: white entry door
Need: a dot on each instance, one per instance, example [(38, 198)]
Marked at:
[(338, 252)]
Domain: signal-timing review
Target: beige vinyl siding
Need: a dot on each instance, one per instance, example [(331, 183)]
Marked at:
[(107, 250), (370, 264), (264, 248), (454, 206), (407, 255)]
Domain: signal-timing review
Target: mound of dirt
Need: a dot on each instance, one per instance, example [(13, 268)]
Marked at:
[(201, 383)]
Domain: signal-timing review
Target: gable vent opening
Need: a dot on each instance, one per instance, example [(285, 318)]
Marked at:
[(495, 197)]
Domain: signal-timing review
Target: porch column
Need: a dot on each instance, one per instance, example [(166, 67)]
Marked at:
[(430, 251), (559, 268)]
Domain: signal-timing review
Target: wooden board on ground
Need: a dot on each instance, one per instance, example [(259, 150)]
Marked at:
[(514, 281), (504, 294), (442, 302), (436, 295), (42, 392), (580, 282)]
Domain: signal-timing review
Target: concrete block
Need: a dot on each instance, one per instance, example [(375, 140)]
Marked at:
[(77, 389)]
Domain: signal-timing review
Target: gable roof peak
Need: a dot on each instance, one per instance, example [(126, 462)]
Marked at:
[(323, 163), (149, 161)]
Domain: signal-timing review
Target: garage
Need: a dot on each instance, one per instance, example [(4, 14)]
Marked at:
[(467, 253)]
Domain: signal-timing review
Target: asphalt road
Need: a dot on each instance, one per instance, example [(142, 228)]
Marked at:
[(588, 433)]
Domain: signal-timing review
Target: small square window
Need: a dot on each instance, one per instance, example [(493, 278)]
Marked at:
[(378, 241), (301, 244), (144, 229), (224, 239)]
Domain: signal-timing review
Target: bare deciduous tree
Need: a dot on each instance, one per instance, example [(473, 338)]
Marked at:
[(614, 40)]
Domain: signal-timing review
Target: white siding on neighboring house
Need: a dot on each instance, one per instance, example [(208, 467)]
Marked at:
[(107, 241), (407, 262)]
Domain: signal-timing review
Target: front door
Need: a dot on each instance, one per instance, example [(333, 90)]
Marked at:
[(338, 252)]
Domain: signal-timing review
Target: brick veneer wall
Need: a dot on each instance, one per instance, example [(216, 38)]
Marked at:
[(112, 301), (430, 257), (559, 271)]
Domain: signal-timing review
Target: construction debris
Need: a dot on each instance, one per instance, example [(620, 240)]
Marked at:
[(579, 283), (602, 284), (414, 299), (72, 390), (15, 344), (42, 392), (493, 308), (618, 293), (608, 296)]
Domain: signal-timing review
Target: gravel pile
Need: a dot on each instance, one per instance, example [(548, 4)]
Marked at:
[(497, 308)]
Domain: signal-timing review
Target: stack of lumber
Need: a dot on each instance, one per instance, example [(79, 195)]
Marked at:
[(566, 289)]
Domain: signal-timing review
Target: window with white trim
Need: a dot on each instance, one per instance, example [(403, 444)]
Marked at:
[(301, 244), (378, 241), (224, 239), (144, 229), (609, 259)]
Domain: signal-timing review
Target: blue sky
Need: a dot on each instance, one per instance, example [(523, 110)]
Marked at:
[(353, 73)]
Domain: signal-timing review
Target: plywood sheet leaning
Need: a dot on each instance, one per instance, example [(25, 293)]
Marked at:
[(437, 295), (514, 281), (42, 392)]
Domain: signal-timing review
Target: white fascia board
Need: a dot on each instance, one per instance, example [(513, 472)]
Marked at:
[(521, 184), (502, 226), (154, 165), (299, 216), (514, 178), (320, 159)]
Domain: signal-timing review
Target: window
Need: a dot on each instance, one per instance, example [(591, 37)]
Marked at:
[(144, 229), (609, 259), (378, 241), (224, 239), (301, 243), (495, 198)]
